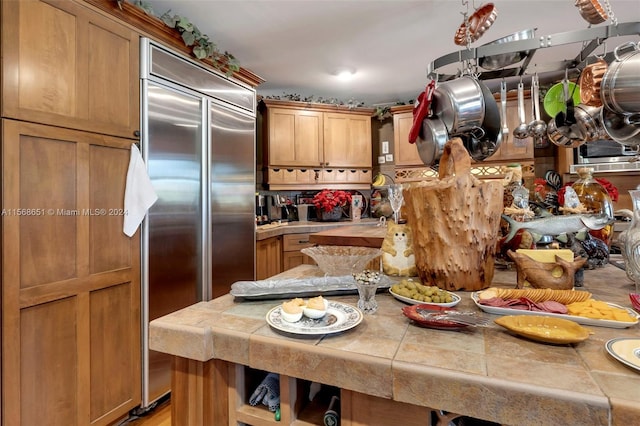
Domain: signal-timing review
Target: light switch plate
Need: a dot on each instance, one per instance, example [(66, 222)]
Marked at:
[(385, 147), (381, 159), (389, 157)]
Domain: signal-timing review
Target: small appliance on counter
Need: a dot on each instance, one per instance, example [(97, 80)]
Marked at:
[(275, 207), (262, 212)]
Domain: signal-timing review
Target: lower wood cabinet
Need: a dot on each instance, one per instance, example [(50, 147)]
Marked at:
[(268, 257), (291, 254)]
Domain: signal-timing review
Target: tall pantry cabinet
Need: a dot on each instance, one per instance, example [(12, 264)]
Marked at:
[(70, 278)]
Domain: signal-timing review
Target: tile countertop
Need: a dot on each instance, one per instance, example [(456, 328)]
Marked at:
[(486, 373), (301, 227)]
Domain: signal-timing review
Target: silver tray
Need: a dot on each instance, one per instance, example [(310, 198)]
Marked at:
[(300, 287)]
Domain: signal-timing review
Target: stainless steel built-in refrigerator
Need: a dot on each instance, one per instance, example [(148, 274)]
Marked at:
[(198, 140)]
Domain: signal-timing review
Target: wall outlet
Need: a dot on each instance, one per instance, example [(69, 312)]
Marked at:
[(389, 157), (381, 159), (385, 147)]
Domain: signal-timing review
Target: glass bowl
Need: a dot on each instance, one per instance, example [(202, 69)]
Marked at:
[(341, 260)]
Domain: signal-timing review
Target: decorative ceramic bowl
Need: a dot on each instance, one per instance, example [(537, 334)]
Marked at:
[(341, 260)]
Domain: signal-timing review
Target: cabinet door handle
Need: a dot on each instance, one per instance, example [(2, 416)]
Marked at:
[(303, 241)]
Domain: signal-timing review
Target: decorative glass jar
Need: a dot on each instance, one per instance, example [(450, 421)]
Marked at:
[(630, 240), (595, 198)]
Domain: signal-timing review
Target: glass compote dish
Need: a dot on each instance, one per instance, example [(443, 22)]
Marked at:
[(338, 261), (367, 283), (396, 198)]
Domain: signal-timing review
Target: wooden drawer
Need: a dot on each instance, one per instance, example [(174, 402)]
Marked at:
[(295, 242)]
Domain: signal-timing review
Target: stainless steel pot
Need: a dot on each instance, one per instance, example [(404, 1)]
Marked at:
[(620, 87), (495, 62), (482, 145), (622, 128), (459, 104), (431, 140), (589, 121), (565, 136)]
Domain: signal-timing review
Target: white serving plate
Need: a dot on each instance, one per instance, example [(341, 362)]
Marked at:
[(580, 320), (339, 317), (456, 300), (626, 350)]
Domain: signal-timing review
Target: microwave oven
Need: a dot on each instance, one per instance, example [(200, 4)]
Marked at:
[(606, 155)]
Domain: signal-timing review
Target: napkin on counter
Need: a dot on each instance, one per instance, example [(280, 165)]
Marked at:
[(139, 194), (268, 392)]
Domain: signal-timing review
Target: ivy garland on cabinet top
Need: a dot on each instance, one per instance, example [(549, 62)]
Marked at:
[(201, 46), (381, 113)]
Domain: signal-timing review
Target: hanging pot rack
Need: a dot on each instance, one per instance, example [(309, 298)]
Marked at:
[(591, 38)]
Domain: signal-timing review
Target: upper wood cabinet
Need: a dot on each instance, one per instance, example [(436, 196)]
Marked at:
[(295, 137), (405, 153), (347, 140), (317, 136), (66, 65)]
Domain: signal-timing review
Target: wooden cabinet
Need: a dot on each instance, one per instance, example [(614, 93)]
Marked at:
[(71, 325), (314, 145), (69, 66), (70, 278), (268, 257), (405, 153), (296, 137), (291, 255), (347, 140), (316, 136)]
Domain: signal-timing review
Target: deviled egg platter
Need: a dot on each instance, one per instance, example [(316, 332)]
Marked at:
[(314, 308)]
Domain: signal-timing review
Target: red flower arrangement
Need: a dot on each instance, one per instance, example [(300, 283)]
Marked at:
[(611, 190), (328, 199)]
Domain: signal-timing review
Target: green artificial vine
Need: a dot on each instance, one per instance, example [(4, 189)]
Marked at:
[(351, 103), (201, 46)]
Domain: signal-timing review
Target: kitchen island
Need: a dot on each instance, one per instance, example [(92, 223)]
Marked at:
[(392, 372)]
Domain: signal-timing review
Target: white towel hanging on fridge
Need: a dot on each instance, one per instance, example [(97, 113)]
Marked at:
[(139, 194)]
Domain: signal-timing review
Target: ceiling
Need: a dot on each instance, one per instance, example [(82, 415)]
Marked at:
[(297, 46)]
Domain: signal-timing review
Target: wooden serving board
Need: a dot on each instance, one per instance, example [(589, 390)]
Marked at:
[(357, 235)]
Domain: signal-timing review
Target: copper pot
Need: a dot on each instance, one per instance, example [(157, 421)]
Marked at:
[(479, 22), (590, 81), (591, 11)]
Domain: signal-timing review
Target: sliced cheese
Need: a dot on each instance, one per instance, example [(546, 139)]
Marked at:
[(547, 255)]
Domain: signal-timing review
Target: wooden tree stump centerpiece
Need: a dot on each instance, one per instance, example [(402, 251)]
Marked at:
[(456, 222)]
